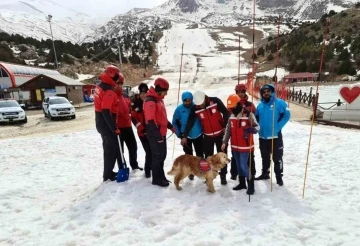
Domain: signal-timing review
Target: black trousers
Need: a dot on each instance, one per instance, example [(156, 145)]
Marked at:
[(148, 156), (233, 168), (127, 136), (208, 146), (158, 151), (265, 149), (198, 146), (111, 151)]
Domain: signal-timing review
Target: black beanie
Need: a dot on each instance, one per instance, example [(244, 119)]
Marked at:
[(143, 87), (160, 89)]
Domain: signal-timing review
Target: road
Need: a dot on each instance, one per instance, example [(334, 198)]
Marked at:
[(38, 125)]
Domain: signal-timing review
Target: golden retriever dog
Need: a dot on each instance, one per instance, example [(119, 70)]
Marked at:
[(185, 165)]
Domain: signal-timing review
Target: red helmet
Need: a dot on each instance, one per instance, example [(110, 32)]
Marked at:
[(111, 71), (240, 87), (161, 84), (121, 78)]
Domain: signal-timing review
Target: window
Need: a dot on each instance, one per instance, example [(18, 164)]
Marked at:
[(3, 73)]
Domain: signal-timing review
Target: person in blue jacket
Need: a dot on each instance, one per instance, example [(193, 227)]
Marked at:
[(195, 137), (270, 136)]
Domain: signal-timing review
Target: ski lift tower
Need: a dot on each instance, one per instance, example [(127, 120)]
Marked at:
[(48, 18)]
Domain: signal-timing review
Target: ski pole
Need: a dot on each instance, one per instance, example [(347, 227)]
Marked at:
[(169, 136), (252, 93)]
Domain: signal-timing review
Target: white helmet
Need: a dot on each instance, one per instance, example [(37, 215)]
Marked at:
[(199, 97)]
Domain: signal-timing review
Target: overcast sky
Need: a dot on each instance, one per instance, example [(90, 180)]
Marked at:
[(108, 8)]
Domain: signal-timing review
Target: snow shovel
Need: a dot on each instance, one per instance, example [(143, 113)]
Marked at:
[(123, 173)]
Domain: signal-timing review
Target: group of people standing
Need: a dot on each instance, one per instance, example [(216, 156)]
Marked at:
[(201, 123)]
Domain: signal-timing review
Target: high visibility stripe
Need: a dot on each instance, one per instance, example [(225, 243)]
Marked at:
[(211, 106), (212, 134), (138, 124), (238, 147), (198, 111)]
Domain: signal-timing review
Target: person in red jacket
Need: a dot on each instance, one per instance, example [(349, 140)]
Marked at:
[(138, 119), (124, 124), (156, 127), (241, 126), (213, 117), (240, 90), (106, 108)]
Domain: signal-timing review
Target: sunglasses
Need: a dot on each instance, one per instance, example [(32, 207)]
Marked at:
[(266, 91), (242, 91)]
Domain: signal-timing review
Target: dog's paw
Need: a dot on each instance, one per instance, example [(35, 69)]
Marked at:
[(211, 191), (179, 188)]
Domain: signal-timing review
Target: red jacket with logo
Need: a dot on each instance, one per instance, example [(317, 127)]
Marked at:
[(123, 114), (155, 115), (238, 142), (213, 117), (138, 118), (106, 106)]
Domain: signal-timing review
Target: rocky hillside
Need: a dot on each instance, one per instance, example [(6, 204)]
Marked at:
[(300, 50), (138, 46)]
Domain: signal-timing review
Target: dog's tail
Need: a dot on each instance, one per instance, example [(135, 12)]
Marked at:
[(171, 172)]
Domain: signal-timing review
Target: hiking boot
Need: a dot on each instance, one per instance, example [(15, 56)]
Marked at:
[(191, 176), (223, 179), (137, 167), (147, 175), (162, 183), (263, 176), (251, 187), (241, 185), (233, 177), (279, 180), (111, 179)]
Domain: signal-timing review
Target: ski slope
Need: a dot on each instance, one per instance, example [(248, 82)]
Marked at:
[(51, 190)]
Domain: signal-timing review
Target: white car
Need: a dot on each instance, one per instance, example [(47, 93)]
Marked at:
[(11, 110), (58, 107)]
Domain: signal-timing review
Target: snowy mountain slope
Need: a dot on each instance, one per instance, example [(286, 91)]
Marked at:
[(52, 192), (28, 18), (123, 24), (230, 12), (36, 26), (44, 7)]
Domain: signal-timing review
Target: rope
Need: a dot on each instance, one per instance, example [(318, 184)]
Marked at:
[(315, 105)]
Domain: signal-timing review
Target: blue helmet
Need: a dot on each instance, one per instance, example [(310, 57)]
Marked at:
[(186, 95)]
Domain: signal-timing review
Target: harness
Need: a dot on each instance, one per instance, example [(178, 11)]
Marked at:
[(204, 166)]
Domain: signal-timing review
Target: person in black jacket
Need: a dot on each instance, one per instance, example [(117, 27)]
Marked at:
[(213, 116)]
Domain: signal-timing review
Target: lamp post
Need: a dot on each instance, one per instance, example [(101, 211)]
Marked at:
[(48, 18)]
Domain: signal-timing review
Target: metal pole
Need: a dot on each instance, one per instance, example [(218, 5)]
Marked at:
[(49, 17), (119, 48)]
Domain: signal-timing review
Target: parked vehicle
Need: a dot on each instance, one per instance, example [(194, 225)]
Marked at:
[(11, 110), (58, 107)]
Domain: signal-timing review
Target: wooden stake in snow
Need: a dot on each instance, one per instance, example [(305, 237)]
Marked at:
[(316, 98), (178, 99)]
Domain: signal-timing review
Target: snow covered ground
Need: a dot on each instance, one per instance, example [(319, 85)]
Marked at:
[(51, 190)]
